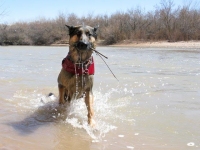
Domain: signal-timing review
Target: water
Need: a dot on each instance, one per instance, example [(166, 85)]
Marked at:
[(155, 105)]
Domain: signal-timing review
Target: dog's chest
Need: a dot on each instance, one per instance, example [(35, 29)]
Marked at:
[(86, 68)]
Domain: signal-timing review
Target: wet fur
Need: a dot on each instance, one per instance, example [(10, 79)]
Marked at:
[(67, 81)]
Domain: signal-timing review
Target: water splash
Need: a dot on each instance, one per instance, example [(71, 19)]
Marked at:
[(106, 106), (77, 117), (96, 133)]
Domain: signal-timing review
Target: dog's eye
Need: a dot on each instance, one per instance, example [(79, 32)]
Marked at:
[(88, 34), (79, 33)]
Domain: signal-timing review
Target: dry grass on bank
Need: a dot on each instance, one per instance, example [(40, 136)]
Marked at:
[(157, 44)]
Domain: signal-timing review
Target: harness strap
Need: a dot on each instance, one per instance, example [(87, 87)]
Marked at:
[(87, 69)]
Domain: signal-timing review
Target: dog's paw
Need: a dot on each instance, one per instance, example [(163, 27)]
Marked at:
[(92, 123), (61, 101)]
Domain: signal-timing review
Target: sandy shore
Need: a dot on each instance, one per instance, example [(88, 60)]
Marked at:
[(161, 44), (151, 44)]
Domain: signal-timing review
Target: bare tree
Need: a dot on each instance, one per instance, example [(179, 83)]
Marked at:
[(167, 17)]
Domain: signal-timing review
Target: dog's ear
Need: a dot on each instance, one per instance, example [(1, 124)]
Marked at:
[(96, 28), (68, 26), (95, 31), (71, 29)]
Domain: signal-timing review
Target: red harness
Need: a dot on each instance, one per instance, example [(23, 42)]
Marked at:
[(86, 68)]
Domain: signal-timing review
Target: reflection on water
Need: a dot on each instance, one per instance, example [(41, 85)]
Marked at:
[(155, 104)]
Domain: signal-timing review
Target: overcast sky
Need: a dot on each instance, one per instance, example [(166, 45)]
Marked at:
[(24, 10)]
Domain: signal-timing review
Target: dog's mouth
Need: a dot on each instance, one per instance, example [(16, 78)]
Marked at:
[(81, 51), (83, 46)]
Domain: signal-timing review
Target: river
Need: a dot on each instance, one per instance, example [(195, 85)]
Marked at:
[(154, 105)]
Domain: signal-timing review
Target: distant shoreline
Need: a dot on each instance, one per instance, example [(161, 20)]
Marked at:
[(150, 44), (157, 44), (139, 44)]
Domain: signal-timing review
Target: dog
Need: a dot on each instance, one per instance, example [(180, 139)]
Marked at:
[(75, 79)]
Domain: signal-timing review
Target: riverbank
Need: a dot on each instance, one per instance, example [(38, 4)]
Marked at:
[(142, 44), (158, 44), (151, 44)]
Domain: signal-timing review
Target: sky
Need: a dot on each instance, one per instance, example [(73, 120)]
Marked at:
[(24, 10)]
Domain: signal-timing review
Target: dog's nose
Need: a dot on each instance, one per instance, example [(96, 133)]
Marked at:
[(82, 45)]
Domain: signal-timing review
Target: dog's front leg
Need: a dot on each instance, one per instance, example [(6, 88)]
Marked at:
[(89, 104), (61, 89)]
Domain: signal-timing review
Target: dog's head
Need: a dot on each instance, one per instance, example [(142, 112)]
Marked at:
[(81, 42)]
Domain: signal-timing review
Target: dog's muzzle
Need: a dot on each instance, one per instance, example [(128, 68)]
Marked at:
[(83, 45)]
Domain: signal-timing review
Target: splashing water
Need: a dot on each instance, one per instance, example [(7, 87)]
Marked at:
[(46, 109), (77, 117)]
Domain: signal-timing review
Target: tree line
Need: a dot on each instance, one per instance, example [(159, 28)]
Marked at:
[(166, 22)]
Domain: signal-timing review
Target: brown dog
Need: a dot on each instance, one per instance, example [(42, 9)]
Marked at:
[(76, 77)]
